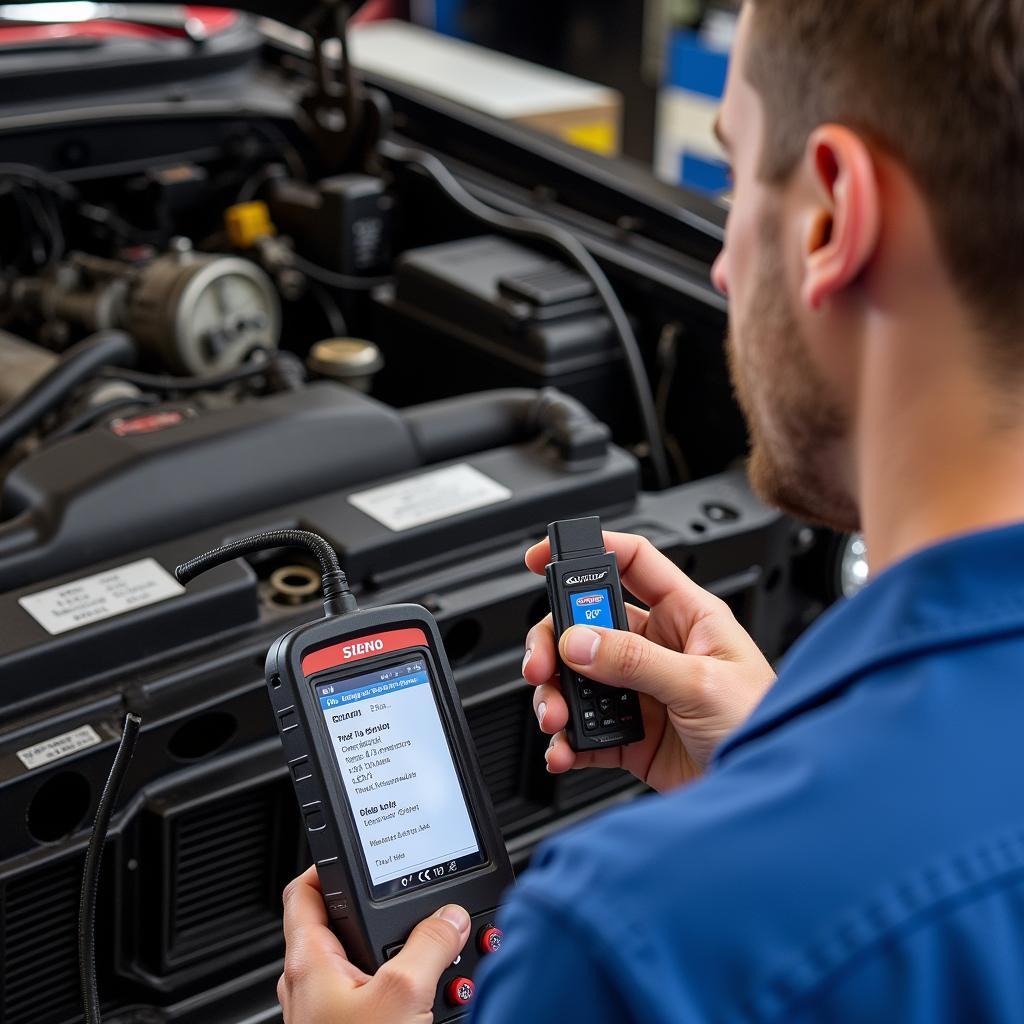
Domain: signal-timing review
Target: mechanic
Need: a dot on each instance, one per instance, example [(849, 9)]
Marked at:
[(844, 843)]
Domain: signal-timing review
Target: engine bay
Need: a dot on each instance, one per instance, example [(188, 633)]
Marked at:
[(241, 296)]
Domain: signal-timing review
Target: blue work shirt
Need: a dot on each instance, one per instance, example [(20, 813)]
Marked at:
[(854, 853)]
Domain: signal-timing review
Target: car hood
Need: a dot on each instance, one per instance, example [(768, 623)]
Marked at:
[(168, 16)]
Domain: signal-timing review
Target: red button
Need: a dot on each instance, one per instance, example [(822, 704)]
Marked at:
[(490, 939), (459, 991)]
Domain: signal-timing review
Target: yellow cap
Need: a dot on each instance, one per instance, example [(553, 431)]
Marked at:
[(247, 223)]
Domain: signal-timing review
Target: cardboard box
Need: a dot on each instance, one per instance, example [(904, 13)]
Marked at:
[(579, 112)]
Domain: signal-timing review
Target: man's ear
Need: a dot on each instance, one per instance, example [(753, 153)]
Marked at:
[(842, 232)]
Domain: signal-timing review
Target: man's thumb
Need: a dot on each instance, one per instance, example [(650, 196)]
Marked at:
[(628, 660), (433, 944)]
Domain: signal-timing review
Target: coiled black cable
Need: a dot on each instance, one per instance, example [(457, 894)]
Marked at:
[(91, 873)]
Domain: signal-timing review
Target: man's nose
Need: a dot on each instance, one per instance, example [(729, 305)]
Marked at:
[(718, 275)]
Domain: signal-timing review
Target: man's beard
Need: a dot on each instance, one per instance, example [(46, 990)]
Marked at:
[(797, 426)]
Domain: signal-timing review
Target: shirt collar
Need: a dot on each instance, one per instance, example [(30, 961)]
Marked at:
[(962, 590)]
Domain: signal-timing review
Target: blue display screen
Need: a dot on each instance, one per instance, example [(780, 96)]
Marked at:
[(393, 757), (592, 608)]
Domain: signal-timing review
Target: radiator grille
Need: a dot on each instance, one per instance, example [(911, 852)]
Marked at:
[(577, 788), (39, 968), (226, 872), (499, 732)]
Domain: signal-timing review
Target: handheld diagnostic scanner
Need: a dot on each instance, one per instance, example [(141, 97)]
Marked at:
[(584, 590), (385, 774)]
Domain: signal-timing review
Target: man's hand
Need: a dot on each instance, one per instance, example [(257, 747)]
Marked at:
[(698, 672), (320, 986)]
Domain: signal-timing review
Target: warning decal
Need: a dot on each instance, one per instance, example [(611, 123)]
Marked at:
[(94, 598)]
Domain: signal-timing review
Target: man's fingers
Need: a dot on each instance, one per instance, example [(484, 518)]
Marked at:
[(428, 952), (539, 664), (561, 758), (550, 708), (311, 946), (548, 703), (538, 557), (625, 659), (305, 919), (539, 661)]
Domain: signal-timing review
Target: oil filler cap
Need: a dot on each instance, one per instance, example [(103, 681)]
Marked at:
[(351, 361)]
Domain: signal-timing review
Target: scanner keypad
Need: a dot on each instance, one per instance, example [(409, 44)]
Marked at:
[(605, 708)]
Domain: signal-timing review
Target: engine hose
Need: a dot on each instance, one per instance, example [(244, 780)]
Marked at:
[(79, 364), (454, 427)]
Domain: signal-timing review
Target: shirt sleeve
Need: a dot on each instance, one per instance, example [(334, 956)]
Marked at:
[(545, 973)]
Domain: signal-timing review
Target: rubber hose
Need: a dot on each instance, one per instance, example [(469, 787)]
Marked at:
[(79, 364)]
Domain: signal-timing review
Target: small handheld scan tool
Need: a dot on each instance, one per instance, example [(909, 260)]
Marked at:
[(395, 810), (584, 590)]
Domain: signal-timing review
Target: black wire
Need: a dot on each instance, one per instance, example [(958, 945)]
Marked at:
[(27, 172), (100, 215), (325, 554), (577, 254), (164, 382), (278, 139), (41, 230), (338, 597), (668, 358), (88, 417), (331, 310), (346, 282), (253, 185), (91, 874)]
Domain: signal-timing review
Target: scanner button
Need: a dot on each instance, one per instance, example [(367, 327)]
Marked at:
[(459, 991), (289, 720), (490, 939), (315, 821)]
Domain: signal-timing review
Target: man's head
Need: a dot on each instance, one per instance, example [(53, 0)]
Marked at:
[(878, 152)]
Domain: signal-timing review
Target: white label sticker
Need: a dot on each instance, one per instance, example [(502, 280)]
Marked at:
[(430, 497), (58, 746), (110, 593)]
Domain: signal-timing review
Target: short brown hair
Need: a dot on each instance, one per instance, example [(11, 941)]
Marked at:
[(939, 84)]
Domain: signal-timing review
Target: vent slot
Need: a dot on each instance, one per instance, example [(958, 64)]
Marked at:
[(39, 967), (499, 732), (226, 873), (577, 788)]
